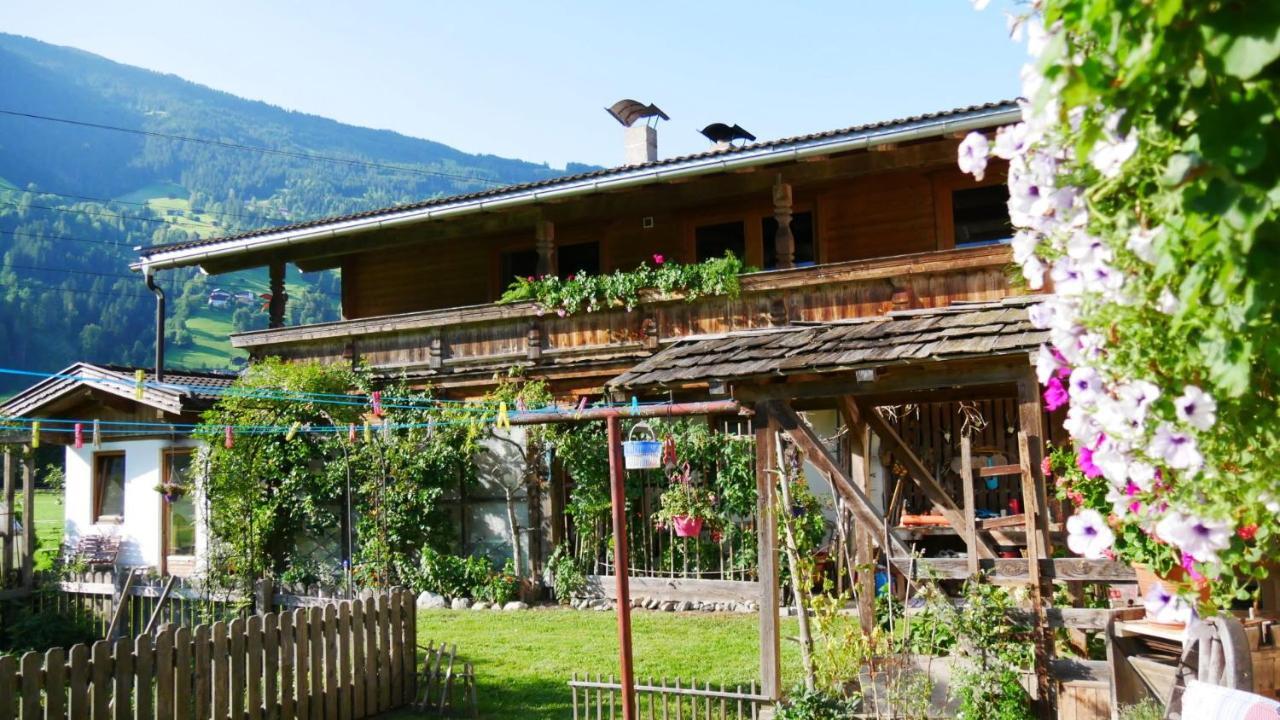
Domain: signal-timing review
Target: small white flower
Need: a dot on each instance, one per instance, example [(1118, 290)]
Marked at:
[(1165, 607), (1141, 241), (972, 155), (1142, 474), (1047, 364), (1177, 449), (1113, 462), (1041, 315), (1168, 303), (1085, 385), (1011, 140), (1137, 395), (1024, 245), (1198, 537), (1196, 408), (1088, 534), (1033, 271), (1086, 249)]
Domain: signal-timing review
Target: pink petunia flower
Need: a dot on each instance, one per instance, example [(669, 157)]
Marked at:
[(1055, 395), (658, 259)]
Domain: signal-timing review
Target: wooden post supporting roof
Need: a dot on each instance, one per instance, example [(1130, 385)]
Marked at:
[(766, 427), (921, 475), (860, 471), (6, 520), (866, 513), (276, 305), (29, 520), (784, 241), (545, 237)]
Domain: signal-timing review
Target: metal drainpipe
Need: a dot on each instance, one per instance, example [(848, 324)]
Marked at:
[(159, 293)]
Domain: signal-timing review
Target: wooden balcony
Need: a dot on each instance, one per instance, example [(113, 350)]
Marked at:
[(465, 346)]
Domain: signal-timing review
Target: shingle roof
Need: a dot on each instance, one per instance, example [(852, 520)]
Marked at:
[(954, 332), (180, 391), (779, 144)]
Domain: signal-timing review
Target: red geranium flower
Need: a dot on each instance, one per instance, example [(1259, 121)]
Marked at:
[(1247, 532), (658, 259)]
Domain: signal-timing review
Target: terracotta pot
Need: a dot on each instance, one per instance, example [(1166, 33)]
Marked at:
[(1176, 580), (687, 526)]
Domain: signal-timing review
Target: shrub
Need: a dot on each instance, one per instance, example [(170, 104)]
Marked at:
[(450, 575), (565, 574), (815, 705), (499, 587), (25, 628)]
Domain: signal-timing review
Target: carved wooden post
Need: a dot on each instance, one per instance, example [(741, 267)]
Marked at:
[(533, 341), (784, 243), (545, 233), (435, 352), (275, 306)]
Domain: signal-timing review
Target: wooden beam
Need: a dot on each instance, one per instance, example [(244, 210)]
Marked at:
[(1035, 550), (970, 520), (767, 556), (867, 514), (544, 234), (922, 477), (864, 551), (1015, 570), (29, 520), (1031, 422), (893, 381), (6, 519)]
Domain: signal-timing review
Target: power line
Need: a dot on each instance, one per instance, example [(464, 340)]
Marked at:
[(90, 198), (86, 212), (254, 148), (38, 236)]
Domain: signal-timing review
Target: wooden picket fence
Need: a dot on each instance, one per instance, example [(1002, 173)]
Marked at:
[(601, 699), (346, 660)]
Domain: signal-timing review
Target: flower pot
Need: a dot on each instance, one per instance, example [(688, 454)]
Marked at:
[(172, 497), (687, 526), (641, 454), (1175, 581)]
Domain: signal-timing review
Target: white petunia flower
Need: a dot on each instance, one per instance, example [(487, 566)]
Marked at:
[(1198, 537), (1168, 303), (1088, 534), (1033, 271), (1141, 242), (1048, 363), (1011, 141), (971, 156), (1084, 386), (1113, 461), (1137, 395), (1167, 608), (1196, 408), (1177, 449), (1142, 474)]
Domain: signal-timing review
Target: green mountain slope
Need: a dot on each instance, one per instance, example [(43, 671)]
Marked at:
[(65, 290)]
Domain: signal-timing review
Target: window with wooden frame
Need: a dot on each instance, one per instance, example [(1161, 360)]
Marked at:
[(713, 241), (180, 511), (108, 487), (980, 215), (522, 262), (806, 252), (578, 258)]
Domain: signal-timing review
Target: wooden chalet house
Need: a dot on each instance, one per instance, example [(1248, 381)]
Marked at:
[(873, 221), (843, 224)]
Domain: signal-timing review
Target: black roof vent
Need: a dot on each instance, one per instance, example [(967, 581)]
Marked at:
[(722, 134)]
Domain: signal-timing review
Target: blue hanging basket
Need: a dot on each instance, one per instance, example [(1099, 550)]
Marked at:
[(641, 454)]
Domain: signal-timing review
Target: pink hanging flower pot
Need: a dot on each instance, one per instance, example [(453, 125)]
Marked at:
[(686, 526)]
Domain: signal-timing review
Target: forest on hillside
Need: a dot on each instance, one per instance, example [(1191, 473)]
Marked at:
[(97, 158)]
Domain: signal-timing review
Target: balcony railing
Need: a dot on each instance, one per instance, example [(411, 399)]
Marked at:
[(474, 341)]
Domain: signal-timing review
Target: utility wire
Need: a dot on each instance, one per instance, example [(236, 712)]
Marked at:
[(86, 212), (90, 198), (254, 148)]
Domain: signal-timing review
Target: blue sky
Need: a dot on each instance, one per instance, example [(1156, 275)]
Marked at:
[(530, 79)]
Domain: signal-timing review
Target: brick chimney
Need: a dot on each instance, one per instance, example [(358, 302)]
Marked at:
[(640, 139)]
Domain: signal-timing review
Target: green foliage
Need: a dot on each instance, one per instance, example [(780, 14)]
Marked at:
[(684, 498), (450, 575), (991, 653), (499, 587), (1148, 709), (718, 276), (566, 575), (804, 704), (1197, 82), (27, 628)]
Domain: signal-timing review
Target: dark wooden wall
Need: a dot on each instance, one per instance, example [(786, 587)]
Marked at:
[(869, 214)]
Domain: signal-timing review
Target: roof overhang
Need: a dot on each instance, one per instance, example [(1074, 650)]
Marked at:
[(922, 128), (34, 400)]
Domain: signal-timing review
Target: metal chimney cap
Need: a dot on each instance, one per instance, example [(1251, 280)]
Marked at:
[(627, 112), (721, 133)]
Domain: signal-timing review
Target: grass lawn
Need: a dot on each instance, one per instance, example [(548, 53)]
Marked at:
[(523, 660), (49, 518)]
